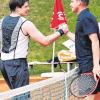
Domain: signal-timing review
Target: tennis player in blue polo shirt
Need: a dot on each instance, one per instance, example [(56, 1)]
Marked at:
[(87, 41)]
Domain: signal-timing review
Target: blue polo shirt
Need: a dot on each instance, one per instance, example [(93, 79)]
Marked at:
[(86, 25)]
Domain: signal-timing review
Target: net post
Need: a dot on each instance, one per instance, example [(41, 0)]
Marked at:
[(53, 54), (68, 66), (66, 93)]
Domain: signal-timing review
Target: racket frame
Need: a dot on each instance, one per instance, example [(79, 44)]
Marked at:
[(87, 73)]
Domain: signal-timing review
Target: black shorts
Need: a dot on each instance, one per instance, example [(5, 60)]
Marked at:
[(97, 89), (15, 72)]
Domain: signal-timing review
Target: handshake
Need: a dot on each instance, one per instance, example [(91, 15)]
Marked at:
[(63, 29)]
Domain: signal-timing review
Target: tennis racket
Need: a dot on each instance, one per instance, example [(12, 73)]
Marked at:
[(83, 85)]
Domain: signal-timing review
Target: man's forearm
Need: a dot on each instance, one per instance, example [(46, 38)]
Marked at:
[(96, 53), (71, 36)]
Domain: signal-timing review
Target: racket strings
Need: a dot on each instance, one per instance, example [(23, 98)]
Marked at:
[(83, 85)]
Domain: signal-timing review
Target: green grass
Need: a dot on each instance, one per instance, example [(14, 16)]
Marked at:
[(40, 14)]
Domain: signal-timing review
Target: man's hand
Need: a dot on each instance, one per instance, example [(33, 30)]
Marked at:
[(64, 27), (96, 71)]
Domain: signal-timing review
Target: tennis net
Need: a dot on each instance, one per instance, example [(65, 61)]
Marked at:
[(56, 88)]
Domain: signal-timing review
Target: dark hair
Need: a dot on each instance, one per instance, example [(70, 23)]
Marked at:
[(86, 2), (16, 3)]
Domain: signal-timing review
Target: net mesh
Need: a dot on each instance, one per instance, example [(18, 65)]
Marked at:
[(56, 88)]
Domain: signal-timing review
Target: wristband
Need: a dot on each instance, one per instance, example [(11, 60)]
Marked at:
[(60, 31)]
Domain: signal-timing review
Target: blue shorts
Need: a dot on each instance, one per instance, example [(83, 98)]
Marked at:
[(15, 72)]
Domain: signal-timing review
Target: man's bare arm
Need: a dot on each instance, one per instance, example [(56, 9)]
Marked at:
[(96, 52), (30, 29), (71, 36)]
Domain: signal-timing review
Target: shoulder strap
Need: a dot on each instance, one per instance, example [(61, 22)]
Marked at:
[(1, 20), (15, 34)]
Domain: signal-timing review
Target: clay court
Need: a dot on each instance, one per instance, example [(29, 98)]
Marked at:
[(33, 79)]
